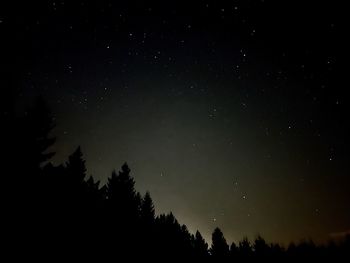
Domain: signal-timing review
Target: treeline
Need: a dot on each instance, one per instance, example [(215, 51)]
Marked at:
[(59, 210)]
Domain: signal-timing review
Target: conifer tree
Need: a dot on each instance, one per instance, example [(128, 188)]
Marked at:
[(219, 247)]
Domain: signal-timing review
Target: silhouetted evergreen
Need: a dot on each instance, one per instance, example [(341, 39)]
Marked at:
[(245, 249), (200, 246), (219, 248), (260, 247), (147, 212), (121, 195), (233, 251), (76, 167)]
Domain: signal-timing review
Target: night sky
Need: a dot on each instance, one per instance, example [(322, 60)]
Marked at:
[(232, 114)]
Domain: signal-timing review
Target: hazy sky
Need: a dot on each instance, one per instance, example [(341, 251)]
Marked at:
[(231, 114)]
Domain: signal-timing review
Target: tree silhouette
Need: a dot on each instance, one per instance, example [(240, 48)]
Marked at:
[(76, 193), (121, 194), (147, 209), (233, 251), (28, 141), (219, 247), (173, 239), (261, 249), (76, 167), (38, 123), (245, 249), (95, 195), (123, 210), (200, 246)]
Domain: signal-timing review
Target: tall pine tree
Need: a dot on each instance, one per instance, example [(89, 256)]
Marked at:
[(122, 196), (219, 247), (200, 246), (147, 209)]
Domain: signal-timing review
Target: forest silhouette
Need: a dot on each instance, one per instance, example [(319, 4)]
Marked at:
[(58, 211)]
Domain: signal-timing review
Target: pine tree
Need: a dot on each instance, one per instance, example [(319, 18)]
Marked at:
[(147, 209), (233, 250), (245, 248), (261, 249), (76, 188), (75, 167), (200, 246), (95, 194), (219, 247), (38, 125), (121, 194), (31, 135)]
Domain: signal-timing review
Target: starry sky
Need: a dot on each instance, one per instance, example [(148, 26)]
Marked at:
[(231, 113)]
